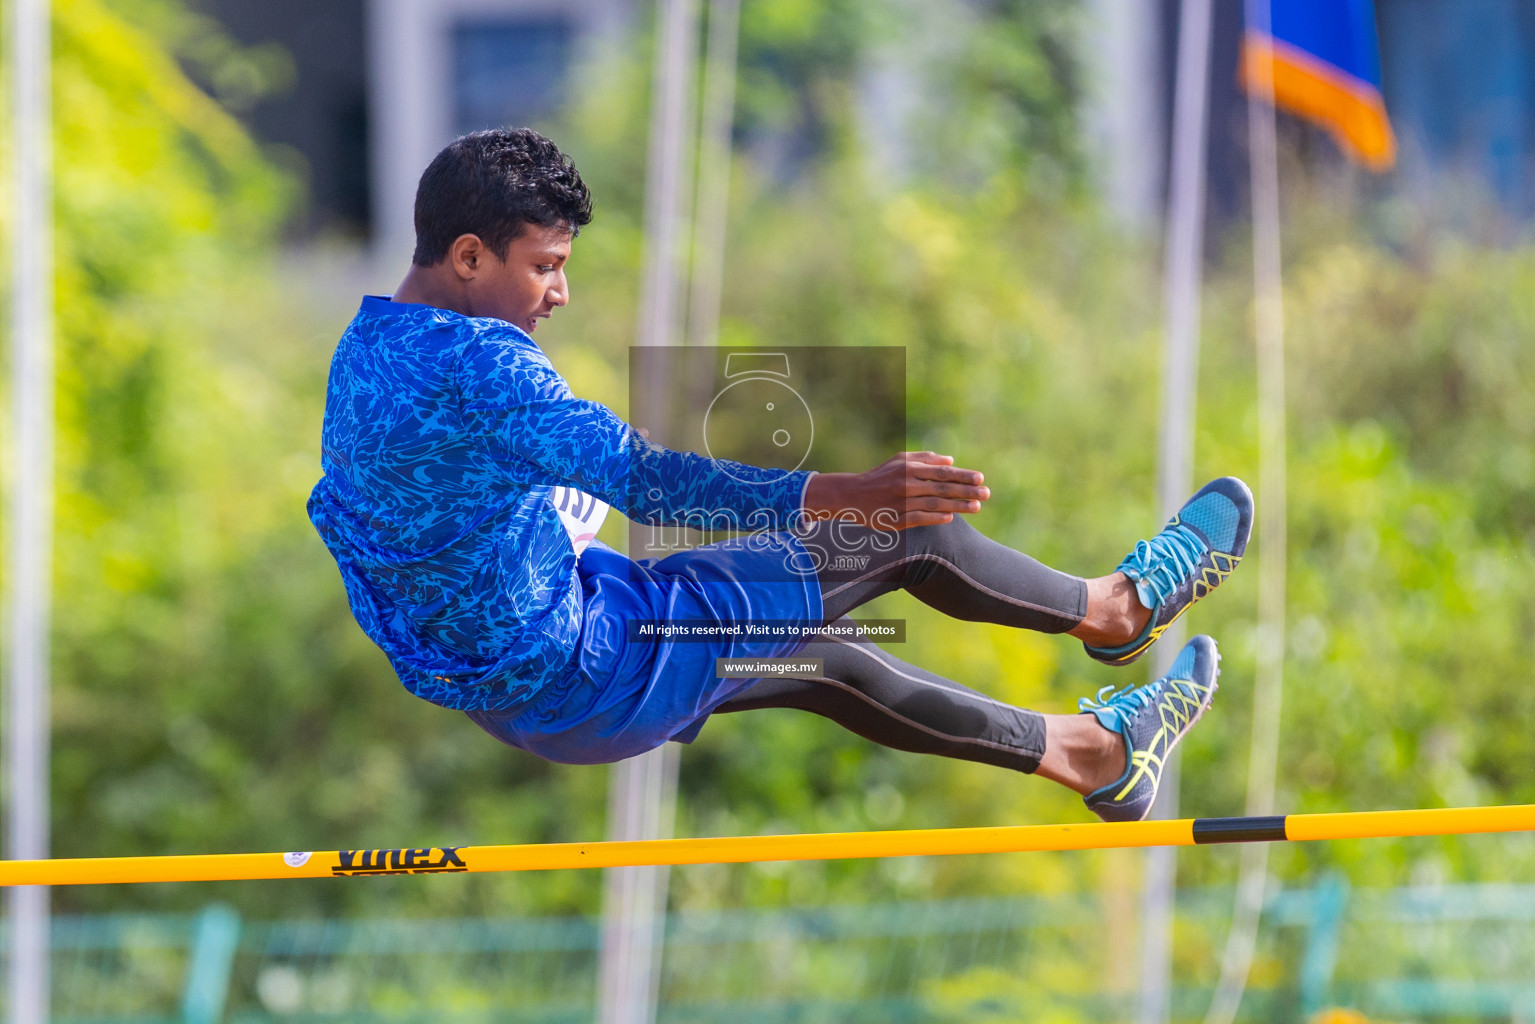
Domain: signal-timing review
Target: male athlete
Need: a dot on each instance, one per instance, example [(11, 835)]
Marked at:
[(448, 434)]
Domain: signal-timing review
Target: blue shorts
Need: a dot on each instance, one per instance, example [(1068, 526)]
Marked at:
[(624, 697)]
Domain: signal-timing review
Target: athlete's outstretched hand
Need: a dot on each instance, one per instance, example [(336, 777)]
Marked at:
[(909, 489)]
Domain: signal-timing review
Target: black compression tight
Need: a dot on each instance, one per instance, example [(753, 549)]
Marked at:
[(958, 571)]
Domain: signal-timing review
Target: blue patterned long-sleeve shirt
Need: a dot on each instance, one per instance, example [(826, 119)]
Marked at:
[(443, 436)]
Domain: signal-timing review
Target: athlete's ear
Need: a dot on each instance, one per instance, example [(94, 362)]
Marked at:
[(467, 253)]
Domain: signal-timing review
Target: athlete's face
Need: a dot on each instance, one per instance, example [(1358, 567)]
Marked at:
[(525, 287)]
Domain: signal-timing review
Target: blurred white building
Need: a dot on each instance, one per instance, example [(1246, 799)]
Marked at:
[(1124, 120), (381, 85), (439, 68)]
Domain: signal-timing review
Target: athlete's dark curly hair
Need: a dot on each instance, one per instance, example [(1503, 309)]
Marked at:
[(493, 183)]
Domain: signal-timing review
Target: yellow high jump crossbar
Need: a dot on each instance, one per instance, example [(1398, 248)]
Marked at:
[(742, 849)]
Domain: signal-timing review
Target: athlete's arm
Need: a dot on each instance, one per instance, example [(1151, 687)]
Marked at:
[(908, 489), (522, 412)]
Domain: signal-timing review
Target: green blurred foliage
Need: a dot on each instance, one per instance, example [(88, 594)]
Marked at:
[(212, 693)]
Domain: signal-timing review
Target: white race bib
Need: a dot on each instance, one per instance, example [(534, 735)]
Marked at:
[(580, 513)]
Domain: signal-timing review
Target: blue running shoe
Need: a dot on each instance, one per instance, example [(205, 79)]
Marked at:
[(1152, 719), (1194, 553)]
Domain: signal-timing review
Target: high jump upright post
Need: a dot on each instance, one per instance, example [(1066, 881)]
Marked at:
[(715, 125), (1268, 691), (642, 791), (1182, 275), (29, 524)]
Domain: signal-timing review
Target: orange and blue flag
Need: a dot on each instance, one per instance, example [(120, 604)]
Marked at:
[(1320, 59)]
